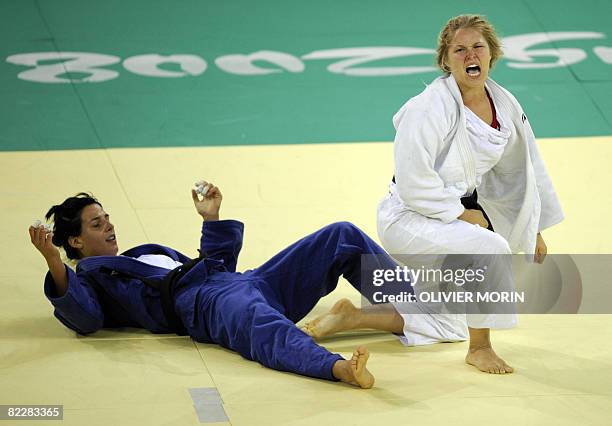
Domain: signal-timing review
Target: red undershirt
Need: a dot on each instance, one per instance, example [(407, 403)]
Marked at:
[(494, 122)]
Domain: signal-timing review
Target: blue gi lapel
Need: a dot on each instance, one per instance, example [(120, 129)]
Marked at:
[(123, 264), (127, 264)]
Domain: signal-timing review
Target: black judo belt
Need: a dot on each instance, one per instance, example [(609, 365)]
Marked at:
[(470, 202), (167, 290)]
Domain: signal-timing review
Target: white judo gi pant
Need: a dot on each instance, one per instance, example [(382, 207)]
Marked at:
[(406, 232)]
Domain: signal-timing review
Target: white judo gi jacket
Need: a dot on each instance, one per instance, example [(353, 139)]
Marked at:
[(434, 166)]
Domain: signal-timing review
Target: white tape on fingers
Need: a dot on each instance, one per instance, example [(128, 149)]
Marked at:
[(37, 223), (202, 190)]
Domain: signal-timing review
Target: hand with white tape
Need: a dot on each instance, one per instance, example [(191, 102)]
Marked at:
[(207, 200), (41, 236)]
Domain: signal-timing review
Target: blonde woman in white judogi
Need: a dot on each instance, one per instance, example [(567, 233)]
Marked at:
[(463, 132)]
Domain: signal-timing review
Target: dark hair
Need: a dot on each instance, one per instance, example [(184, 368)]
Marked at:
[(67, 221)]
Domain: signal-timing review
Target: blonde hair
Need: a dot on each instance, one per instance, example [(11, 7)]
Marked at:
[(477, 22)]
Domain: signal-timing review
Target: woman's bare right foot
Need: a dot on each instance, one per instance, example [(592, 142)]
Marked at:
[(341, 317), (354, 371), (485, 359)]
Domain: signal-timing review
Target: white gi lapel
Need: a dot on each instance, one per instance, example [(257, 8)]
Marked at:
[(461, 136), (522, 235)]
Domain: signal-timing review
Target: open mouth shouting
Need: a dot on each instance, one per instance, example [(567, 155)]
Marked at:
[(473, 70)]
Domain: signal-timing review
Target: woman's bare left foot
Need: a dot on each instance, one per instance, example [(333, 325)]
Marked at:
[(485, 359), (339, 318)]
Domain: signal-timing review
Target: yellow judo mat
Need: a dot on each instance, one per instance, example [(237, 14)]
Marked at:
[(282, 192)]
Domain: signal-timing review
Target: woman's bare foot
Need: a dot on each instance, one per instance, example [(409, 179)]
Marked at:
[(354, 371), (341, 317), (485, 359)]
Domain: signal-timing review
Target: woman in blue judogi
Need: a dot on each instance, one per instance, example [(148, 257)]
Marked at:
[(157, 288)]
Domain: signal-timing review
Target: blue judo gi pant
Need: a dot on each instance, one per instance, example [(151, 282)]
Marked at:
[(254, 313)]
